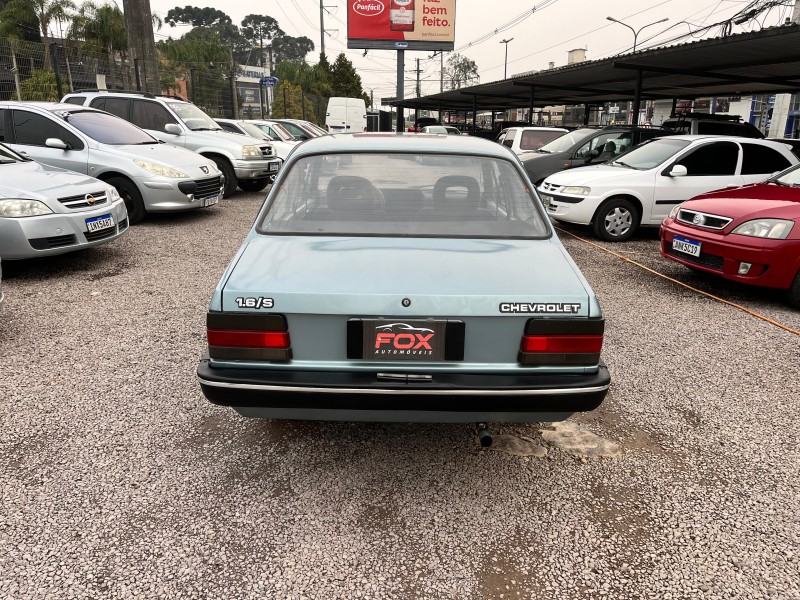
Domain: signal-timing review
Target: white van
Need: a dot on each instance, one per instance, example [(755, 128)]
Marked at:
[(346, 115)]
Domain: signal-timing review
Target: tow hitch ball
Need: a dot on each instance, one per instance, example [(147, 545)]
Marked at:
[(484, 435)]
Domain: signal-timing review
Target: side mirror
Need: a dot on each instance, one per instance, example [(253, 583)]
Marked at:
[(56, 143), (172, 128), (678, 171)]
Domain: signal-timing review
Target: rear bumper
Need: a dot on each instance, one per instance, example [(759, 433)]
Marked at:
[(449, 397)]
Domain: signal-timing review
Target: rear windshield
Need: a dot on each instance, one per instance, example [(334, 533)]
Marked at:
[(567, 141), (533, 139), (410, 195)]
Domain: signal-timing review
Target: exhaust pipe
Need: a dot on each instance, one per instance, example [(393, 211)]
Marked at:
[(484, 435)]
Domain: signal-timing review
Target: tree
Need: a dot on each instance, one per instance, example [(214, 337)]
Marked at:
[(196, 16), (257, 28), (286, 47), (461, 71), (102, 28), (26, 29), (344, 79), (42, 12)]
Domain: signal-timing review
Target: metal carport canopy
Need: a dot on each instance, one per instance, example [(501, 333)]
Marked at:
[(766, 61)]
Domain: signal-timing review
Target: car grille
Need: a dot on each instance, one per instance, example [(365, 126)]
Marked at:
[(549, 187), (268, 151), (79, 201), (706, 220), (710, 261), (208, 187), (93, 236), (123, 225), (48, 243)]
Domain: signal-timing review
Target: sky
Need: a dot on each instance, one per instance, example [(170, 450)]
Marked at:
[(543, 31)]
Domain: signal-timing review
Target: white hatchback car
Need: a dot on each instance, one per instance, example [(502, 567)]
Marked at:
[(642, 186)]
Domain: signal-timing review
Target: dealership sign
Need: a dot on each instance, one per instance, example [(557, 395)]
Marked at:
[(401, 24)]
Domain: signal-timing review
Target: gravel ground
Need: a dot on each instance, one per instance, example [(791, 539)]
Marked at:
[(119, 480)]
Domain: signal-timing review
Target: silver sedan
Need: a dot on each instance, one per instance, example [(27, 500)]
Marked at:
[(46, 210)]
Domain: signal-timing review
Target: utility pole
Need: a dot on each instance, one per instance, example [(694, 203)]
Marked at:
[(321, 27), (441, 71), (418, 72)]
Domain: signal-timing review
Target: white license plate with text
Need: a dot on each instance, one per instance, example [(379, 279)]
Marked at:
[(98, 223), (686, 246)]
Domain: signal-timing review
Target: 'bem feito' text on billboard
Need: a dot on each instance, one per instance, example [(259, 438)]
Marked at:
[(401, 24)]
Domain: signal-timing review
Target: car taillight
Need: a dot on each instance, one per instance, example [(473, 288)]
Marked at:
[(248, 336), (567, 342)]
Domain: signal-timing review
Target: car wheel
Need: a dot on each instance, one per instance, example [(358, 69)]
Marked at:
[(253, 185), (615, 220), (793, 293), (132, 197), (231, 182)]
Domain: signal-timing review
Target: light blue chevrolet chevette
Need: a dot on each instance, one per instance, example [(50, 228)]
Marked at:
[(396, 277)]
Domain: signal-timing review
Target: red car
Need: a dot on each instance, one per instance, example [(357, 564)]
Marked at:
[(749, 234)]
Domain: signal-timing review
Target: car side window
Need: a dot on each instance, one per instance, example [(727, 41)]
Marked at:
[(32, 129), (509, 139), (758, 159), (150, 115), (2, 124), (717, 158), (116, 106), (79, 100), (607, 145)]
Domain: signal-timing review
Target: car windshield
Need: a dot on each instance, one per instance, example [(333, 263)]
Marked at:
[(309, 128), (407, 195), (789, 177), (434, 129), (253, 131), (275, 129), (194, 118), (567, 141), (318, 129), (651, 153), (108, 129)]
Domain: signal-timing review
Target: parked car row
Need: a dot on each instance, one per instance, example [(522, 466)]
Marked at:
[(246, 162), (79, 172)]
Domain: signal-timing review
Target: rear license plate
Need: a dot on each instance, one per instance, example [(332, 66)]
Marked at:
[(209, 200), (274, 166), (98, 223), (404, 340), (686, 246), (546, 200)]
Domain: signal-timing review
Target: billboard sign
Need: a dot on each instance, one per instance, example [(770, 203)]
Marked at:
[(401, 24)]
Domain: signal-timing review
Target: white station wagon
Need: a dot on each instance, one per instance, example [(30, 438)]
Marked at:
[(642, 186)]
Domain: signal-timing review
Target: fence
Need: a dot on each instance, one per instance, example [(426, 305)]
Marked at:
[(29, 71)]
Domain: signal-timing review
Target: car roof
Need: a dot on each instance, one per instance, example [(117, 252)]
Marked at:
[(721, 138), (401, 142), (49, 106), (536, 128)]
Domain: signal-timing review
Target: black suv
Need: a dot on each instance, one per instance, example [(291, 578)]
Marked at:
[(583, 147)]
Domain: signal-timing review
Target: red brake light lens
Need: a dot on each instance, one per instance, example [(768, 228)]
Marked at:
[(562, 343), (248, 339)]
